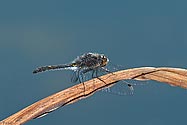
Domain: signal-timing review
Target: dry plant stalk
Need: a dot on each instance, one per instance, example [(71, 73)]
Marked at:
[(172, 76)]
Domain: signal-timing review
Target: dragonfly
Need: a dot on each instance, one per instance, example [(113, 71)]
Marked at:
[(93, 63)]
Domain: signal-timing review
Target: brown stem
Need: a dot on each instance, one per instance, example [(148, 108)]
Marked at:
[(172, 76)]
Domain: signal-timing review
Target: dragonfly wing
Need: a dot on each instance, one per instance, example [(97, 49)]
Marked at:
[(120, 88), (75, 76)]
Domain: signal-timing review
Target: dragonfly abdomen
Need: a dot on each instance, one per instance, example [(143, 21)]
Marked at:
[(50, 67)]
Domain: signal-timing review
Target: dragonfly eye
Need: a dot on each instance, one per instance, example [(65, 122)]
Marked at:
[(104, 61)]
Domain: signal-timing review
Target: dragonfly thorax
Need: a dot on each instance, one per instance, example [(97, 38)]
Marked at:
[(91, 61)]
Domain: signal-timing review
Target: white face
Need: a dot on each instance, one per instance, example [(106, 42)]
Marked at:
[(105, 60)]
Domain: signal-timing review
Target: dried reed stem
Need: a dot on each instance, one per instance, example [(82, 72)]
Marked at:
[(172, 76)]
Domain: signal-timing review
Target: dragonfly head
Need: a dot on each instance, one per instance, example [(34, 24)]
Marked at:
[(104, 61)]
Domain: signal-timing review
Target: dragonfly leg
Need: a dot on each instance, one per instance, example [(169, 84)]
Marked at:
[(81, 78)]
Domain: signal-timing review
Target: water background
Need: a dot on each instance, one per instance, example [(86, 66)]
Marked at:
[(131, 33)]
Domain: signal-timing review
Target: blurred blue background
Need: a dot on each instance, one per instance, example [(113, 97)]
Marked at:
[(131, 33)]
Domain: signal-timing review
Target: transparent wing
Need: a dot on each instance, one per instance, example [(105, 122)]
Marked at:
[(120, 88), (75, 76), (81, 75), (124, 87)]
